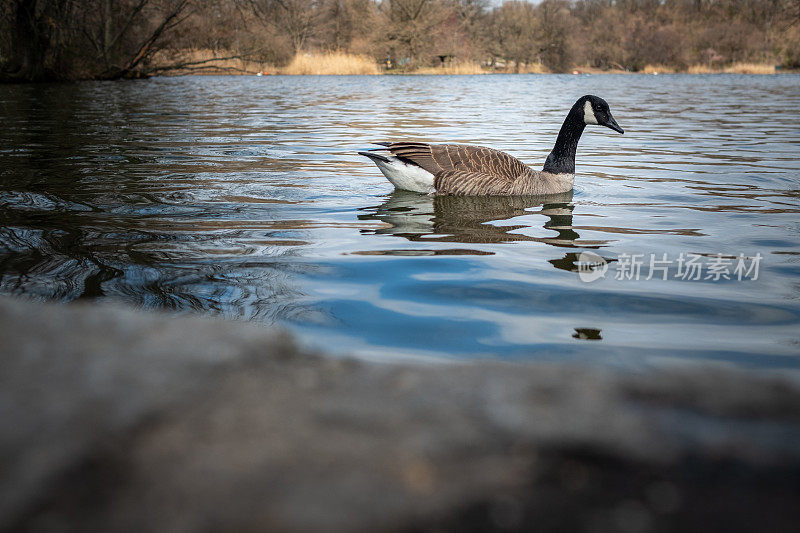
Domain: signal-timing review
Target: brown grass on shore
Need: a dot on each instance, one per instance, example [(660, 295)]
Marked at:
[(330, 63), (455, 67), (736, 68), (533, 68), (657, 69)]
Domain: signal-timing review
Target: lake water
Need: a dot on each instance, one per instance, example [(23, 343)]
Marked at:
[(242, 197)]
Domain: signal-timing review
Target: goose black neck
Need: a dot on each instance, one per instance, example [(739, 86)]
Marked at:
[(562, 159)]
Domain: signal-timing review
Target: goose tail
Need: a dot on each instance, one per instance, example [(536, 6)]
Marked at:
[(375, 157), (403, 175)]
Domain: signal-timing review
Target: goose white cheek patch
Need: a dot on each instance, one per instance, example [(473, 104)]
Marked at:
[(588, 114)]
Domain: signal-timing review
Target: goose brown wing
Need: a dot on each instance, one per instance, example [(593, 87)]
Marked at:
[(436, 158), (468, 183)]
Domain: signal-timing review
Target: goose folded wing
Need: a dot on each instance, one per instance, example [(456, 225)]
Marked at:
[(436, 158), (468, 183)]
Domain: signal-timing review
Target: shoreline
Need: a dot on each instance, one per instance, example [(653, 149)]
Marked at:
[(343, 63), (488, 73)]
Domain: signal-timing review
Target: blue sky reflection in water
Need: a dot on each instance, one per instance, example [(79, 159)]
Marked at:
[(243, 197)]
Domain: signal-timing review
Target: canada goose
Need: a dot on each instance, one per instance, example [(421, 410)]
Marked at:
[(461, 169)]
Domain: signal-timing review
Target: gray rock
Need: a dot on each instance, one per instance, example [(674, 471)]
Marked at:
[(114, 420)]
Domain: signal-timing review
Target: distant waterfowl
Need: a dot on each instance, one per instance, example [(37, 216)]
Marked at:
[(463, 170)]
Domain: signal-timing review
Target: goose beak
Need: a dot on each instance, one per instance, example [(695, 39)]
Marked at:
[(613, 125)]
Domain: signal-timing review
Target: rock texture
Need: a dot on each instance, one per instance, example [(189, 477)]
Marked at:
[(114, 420)]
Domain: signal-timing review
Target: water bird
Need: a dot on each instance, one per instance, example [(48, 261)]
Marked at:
[(466, 170)]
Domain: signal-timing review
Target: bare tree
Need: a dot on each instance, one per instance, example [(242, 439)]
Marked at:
[(554, 27), (412, 26), (30, 38), (514, 32), (345, 21), (68, 39), (297, 18)]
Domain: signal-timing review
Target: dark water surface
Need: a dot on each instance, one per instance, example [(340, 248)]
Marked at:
[(242, 197)]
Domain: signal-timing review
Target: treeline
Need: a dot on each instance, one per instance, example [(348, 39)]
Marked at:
[(107, 39)]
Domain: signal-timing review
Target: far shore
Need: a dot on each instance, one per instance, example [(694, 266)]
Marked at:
[(340, 63)]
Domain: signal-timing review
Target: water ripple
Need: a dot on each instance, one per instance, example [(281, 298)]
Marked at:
[(243, 197)]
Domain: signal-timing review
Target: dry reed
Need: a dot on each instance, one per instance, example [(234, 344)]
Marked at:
[(750, 68), (657, 69), (736, 68), (455, 67), (330, 63)]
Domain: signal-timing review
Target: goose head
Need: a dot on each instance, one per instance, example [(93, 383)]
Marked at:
[(595, 111)]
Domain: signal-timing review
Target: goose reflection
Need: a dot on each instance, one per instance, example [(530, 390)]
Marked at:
[(477, 220)]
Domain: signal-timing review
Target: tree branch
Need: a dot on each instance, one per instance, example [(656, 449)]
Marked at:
[(146, 46), (128, 23)]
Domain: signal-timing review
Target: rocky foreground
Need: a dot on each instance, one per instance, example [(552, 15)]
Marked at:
[(114, 420)]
